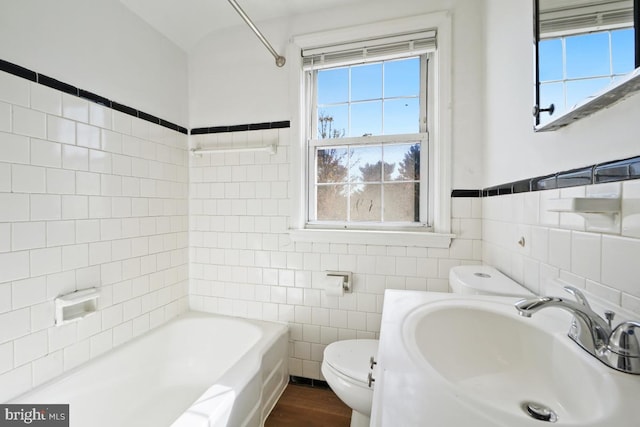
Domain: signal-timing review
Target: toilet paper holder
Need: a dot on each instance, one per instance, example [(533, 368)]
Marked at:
[(347, 279)]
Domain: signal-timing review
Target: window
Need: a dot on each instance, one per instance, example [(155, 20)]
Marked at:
[(368, 144), (577, 66), (582, 49), (371, 141)]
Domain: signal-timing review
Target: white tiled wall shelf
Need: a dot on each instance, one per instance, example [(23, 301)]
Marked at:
[(557, 244), (89, 197), (243, 262)]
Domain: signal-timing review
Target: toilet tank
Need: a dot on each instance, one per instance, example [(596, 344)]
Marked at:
[(484, 280)]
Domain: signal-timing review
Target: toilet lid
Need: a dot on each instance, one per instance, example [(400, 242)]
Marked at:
[(351, 357), (484, 280)]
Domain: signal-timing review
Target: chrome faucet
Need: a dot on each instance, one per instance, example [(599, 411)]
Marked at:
[(618, 349)]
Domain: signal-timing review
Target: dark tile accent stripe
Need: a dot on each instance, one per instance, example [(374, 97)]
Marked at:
[(259, 126), (124, 109), (148, 117), (280, 125), (89, 96), (199, 131), (466, 193), (574, 178), (58, 85), (42, 79), (617, 170), (523, 186), (549, 182), (238, 128), (241, 128), (19, 71)]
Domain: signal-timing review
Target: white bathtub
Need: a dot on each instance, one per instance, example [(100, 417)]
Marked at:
[(196, 370)]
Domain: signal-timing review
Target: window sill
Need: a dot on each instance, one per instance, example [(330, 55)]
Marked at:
[(360, 237)]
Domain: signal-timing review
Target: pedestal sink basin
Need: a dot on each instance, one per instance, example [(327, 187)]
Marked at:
[(508, 363), (475, 362)]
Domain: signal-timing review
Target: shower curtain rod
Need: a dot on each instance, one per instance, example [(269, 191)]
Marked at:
[(280, 60)]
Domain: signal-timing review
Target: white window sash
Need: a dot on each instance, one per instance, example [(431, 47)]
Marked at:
[(425, 183)]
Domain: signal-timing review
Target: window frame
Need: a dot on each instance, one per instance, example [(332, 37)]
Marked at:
[(439, 235), (426, 180)]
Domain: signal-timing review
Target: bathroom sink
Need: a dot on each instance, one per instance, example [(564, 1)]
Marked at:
[(484, 359)]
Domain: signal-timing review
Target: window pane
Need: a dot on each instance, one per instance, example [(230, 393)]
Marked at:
[(402, 202), (366, 118), (332, 203), (331, 165), (622, 47), (366, 82), (333, 85), (587, 55), (365, 202), (550, 59), (365, 164), (551, 93), (405, 161), (580, 90), (402, 78), (401, 116), (333, 122)]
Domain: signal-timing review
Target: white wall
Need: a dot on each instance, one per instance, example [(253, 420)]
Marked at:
[(89, 197), (99, 46), (512, 150)]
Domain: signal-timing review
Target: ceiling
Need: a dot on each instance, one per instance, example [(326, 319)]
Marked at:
[(185, 22)]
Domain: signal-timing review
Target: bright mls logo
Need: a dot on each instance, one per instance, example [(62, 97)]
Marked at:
[(34, 415)]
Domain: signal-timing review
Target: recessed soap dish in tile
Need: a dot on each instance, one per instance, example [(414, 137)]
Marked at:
[(76, 305), (601, 214), (601, 205)]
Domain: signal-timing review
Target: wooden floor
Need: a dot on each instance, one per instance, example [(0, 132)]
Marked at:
[(305, 406)]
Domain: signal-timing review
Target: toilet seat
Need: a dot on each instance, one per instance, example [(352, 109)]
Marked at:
[(350, 359)]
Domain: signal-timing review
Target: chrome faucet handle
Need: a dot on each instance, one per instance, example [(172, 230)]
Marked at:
[(625, 339), (579, 296), (623, 350), (609, 315)]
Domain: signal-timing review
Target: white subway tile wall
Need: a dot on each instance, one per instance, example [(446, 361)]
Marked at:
[(605, 265), (243, 262), (89, 197)]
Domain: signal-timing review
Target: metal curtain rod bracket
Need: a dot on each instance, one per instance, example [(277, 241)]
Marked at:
[(280, 60)]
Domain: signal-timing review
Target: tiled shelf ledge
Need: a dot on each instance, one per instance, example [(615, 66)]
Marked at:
[(613, 171)]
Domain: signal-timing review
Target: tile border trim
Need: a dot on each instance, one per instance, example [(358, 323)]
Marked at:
[(612, 171), (45, 80), (241, 128)]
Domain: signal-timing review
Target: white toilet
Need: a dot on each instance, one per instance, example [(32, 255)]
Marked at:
[(346, 365)]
